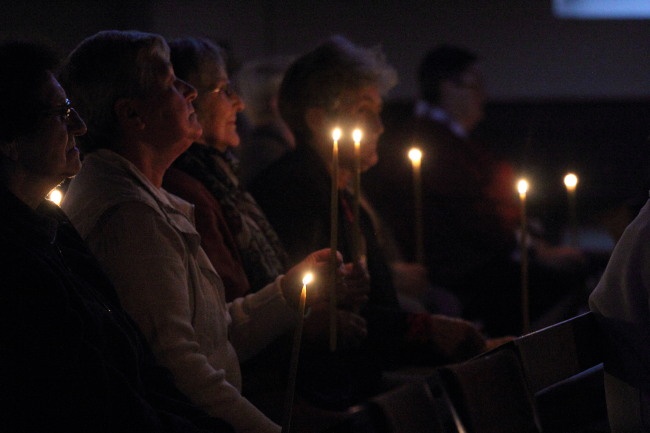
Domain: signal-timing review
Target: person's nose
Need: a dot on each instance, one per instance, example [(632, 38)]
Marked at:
[(238, 102), (76, 124), (186, 89)]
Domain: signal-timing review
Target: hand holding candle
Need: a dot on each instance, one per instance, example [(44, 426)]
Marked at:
[(522, 187), (415, 155)]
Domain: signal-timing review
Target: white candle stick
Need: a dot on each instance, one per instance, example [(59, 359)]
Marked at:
[(334, 212), (571, 182), (356, 230), (415, 155), (295, 354), (522, 187)]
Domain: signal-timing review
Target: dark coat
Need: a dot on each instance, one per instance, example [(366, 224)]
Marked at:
[(295, 194), (71, 359)]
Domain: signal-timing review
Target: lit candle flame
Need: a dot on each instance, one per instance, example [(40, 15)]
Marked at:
[(295, 353), (356, 136), (570, 181), (415, 155), (55, 196), (522, 187), (336, 134)]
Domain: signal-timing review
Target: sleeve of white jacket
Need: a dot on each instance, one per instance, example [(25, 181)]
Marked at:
[(147, 259)]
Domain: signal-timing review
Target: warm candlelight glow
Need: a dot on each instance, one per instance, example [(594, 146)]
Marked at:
[(336, 134), (415, 155), (308, 278), (295, 354), (356, 136), (356, 231), (522, 187), (570, 181), (55, 196)]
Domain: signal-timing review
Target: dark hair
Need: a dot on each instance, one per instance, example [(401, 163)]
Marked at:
[(192, 59), (23, 73), (444, 62), (102, 69), (318, 78)]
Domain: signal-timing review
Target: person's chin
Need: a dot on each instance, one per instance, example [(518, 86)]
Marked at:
[(195, 134), (234, 141), (369, 163), (73, 157), (72, 169)]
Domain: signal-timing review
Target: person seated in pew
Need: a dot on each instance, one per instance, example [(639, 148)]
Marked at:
[(621, 305), (72, 360), (341, 84), (239, 241), (140, 118), (471, 232)]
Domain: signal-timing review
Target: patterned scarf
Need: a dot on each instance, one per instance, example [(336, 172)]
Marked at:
[(262, 254)]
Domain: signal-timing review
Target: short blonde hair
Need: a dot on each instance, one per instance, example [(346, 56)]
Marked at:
[(105, 67)]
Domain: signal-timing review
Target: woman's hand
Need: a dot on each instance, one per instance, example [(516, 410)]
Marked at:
[(318, 264)]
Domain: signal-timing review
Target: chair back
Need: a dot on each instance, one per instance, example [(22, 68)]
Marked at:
[(412, 408), (560, 351), (490, 394), (562, 364)]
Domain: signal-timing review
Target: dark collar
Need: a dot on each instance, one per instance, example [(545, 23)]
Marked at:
[(41, 223)]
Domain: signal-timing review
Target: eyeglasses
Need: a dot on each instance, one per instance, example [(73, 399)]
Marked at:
[(226, 88), (64, 110)]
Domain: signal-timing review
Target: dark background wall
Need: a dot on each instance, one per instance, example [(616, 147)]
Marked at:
[(565, 94), (527, 53)]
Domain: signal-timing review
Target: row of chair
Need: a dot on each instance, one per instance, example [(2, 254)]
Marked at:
[(550, 380)]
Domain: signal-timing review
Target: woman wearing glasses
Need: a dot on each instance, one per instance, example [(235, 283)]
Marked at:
[(71, 359), (238, 239)]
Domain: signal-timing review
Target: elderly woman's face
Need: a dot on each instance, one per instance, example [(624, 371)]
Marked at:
[(360, 108), (217, 109), (168, 112), (50, 153)]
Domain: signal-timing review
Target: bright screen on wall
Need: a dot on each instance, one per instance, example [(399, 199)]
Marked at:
[(602, 9)]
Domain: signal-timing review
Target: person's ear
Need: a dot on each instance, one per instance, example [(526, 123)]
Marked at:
[(315, 117), (128, 113), (9, 150)]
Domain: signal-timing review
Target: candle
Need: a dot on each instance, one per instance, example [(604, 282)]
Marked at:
[(295, 354), (415, 155), (356, 231), (334, 212), (55, 196), (571, 181), (522, 187)]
